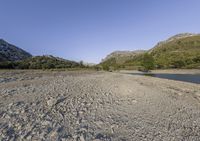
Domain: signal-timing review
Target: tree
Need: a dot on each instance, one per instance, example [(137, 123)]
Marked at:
[(105, 67), (148, 62), (178, 64), (81, 63)]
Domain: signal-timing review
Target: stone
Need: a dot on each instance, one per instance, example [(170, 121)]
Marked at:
[(82, 138), (45, 123), (51, 102)]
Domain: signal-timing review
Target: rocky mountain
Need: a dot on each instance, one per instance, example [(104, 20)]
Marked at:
[(122, 54), (181, 35), (9, 52), (174, 38), (118, 59)]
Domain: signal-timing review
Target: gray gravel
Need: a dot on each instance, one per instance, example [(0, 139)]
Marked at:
[(96, 106)]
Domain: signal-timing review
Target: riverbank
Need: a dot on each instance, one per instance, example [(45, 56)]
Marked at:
[(96, 105), (190, 76), (167, 71), (178, 71)]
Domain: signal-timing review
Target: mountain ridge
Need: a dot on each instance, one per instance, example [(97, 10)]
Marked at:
[(174, 37), (122, 54), (13, 57), (10, 52)]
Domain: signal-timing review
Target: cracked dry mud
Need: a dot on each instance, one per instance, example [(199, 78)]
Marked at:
[(96, 106)]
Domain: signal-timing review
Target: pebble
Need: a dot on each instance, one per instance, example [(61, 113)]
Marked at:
[(51, 102), (85, 109), (82, 138)]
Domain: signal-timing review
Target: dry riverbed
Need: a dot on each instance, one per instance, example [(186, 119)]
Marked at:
[(96, 106)]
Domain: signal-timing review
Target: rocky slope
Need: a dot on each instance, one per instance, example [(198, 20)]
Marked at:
[(118, 59), (175, 37), (9, 52), (122, 56)]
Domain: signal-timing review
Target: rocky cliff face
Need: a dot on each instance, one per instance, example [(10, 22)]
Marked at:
[(124, 55), (9, 52)]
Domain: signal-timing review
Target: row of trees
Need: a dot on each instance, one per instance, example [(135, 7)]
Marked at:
[(40, 62), (147, 62)]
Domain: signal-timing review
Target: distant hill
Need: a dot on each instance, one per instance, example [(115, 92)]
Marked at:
[(122, 56), (47, 62), (9, 52), (179, 51), (12, 57), (41, 62), (118, 59)]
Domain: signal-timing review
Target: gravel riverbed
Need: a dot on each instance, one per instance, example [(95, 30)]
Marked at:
[(96, 106)]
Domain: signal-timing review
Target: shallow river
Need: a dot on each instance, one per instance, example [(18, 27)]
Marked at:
[(193, 78)]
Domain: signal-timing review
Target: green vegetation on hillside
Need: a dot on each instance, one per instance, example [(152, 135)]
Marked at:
[(181, 53), (110, 64), (147, 62), (177, 53), (40, 62)]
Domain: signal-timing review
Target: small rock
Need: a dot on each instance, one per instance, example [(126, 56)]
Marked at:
[(10, 105), (51, 102), (29, 137), (18, 126), (54, 134), (7, 116), (22, 111), (45, 123), (134, 101), (65, 139), (82, 138), (99, 123)]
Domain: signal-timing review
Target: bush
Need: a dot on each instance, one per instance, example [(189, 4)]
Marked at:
[(40, 62), (106, 67), (178, 64), (7, 65), (148, 62)]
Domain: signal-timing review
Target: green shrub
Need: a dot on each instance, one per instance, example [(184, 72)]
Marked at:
[(148, 62)]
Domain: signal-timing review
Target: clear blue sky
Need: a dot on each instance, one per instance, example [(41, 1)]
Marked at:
[(90, 29)]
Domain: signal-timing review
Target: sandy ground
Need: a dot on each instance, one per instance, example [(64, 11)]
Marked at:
[(178, 71), (168, 71), (97, 106)]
